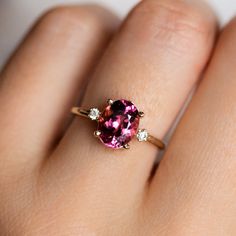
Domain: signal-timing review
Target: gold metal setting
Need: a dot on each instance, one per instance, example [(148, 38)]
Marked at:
[(86, 113)]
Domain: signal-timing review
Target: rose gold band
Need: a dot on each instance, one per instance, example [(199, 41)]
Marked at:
[(151, 139)]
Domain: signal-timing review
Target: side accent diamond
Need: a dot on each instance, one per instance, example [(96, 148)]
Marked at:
[(94, 114), (142, 135)]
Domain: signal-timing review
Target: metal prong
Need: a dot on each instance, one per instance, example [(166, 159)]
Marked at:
[(97, 133), (110, 101), (126, 146), (141, 114)]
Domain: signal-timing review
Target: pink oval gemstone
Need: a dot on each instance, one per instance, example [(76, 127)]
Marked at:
[(118, 123)]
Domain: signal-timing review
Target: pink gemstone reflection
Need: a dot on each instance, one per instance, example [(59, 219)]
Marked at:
[(118, 123)]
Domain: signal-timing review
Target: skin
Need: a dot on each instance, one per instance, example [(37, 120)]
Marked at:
[(57, 179)]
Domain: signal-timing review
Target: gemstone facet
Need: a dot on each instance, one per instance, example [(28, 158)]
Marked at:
[(118, 124), (94, 114), (142, 135)]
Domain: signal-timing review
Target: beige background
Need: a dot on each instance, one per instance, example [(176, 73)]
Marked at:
[(17, 15)]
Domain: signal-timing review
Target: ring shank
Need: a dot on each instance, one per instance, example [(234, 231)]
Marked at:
[(151, 139), (80, 111), (158, 143)]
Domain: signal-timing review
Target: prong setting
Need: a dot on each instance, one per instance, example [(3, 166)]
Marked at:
[(110, 101), (97, 133), (126, 146), (141, 114)]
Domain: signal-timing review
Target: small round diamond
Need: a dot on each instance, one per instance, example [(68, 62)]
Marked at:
[(94, 114), (142, 135)]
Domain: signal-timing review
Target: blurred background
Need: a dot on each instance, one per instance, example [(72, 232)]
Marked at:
[(16, 16)]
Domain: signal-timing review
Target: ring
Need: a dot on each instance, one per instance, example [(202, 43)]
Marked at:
[(118, 124)]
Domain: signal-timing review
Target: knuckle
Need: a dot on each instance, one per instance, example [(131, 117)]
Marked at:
[(65, 19), (172, 22)]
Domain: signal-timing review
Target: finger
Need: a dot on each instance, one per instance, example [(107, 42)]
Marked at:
[(44, 78), (154, 61), (198, 171)]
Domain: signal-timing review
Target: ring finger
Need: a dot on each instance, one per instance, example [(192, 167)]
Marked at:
[(154, 61)]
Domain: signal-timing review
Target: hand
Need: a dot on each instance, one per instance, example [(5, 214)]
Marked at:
[(57, 179)]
